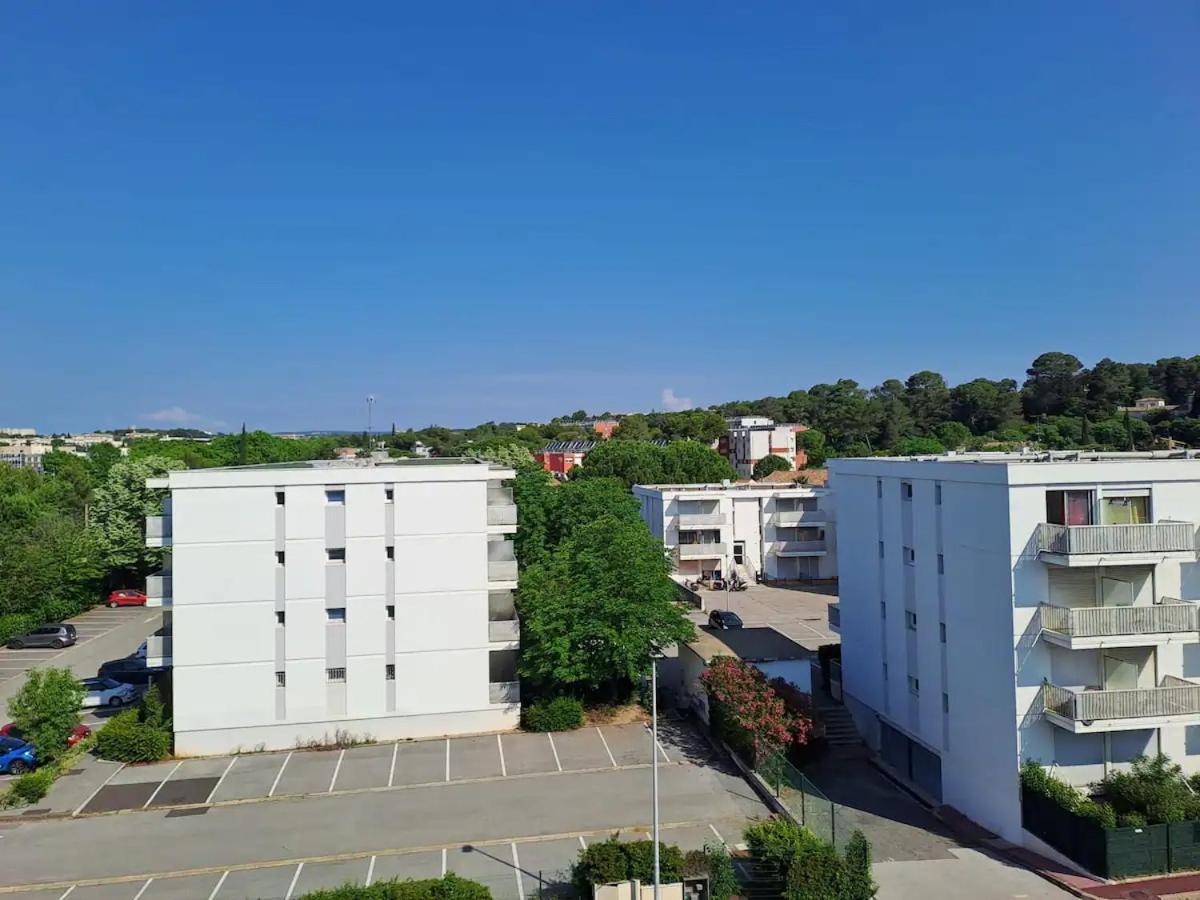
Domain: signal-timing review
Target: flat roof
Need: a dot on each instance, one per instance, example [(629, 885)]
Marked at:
[(760, 644), (735, 486), (325, 471), (1033, 457)]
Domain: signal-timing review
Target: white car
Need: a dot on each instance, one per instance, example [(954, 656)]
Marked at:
[(106, 692)]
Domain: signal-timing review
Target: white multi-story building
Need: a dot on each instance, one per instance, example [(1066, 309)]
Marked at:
[(1002, 607), (751, 438), (368, 596), (784, 531)]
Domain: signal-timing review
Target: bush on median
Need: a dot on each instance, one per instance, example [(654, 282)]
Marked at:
[(141, 734), (554, 714), (448, 887), (614, 860)]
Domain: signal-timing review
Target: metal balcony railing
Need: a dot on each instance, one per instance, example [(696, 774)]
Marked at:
[(1173, 697), (1158, 537), (835, 615), (1169, 617), (701, 551), (783, 548), (792, 518), (504, 692)]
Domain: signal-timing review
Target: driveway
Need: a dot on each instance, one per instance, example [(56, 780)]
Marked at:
[(800, 613)]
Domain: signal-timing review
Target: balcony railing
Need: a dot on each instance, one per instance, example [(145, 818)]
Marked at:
[(701, 551), (158, 587), (1169, 617), (693, 521), (1159, 537), (786, 548), (158, 531), (835, 615), (502, 564), (1174, 697), (501, 508), (791, 518), (504, 692), (158, 650), (504, 631)]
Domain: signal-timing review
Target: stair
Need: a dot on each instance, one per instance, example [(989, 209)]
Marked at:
[(758, 880)]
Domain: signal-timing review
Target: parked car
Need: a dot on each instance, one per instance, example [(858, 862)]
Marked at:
[(130, 670), (56, 636), (126, 597), (78, 733), (723, 618), (107, 692), (16, 756)]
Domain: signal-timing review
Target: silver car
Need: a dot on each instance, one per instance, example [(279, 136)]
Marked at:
[(107, 692)]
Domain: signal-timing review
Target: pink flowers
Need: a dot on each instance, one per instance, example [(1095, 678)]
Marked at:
[(747, 712)]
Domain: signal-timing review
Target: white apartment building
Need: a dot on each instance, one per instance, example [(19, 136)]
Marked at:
[(751, 438), (1002, 607), (784, 531), (361, 595)]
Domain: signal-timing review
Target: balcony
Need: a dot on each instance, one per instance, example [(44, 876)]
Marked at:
[(504, 632), (1093, 545), (158, 648), (1095, 627), (504, 692), (798, 517), (701, 521), (158, 531), (501, 508), (158, 589), (834, 613), (701, 551), (502, 564), (1174, 702), (798, 548)]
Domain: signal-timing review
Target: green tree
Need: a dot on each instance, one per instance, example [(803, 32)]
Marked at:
[(633, 428), (859, 884), (1054, 385), (842, 412), (101, 458), (631, 462), (119, 513), (689, 462), (769, 464), (813, 442), (45, 710), (928, 400), (918, 446), (1106, 386), (593, 611), (983, 405), (953, 435), (889, 409), (507, 454)]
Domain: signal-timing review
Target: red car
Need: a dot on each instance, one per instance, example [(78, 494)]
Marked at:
[(78, 733), (126, 597)]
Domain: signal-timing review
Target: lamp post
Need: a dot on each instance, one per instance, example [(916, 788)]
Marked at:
[(654, 759)]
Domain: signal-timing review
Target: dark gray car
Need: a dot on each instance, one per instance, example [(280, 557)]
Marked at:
[(56, 636)]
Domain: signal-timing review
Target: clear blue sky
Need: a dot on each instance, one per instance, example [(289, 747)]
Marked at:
[(217, 212)]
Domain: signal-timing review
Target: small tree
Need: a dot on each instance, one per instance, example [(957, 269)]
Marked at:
[(746, 712), (769, 464), (45, 710), (859, 885)]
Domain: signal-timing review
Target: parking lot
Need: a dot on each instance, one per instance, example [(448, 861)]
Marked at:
[(263, 776), (90, 626)]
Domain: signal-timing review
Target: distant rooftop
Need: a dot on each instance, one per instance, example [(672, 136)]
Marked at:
[(737, 486), (364, 463), (1042, 456)]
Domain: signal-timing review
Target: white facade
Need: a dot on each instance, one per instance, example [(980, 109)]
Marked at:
[(752, 438), (997, 608), (784, 531), (303, 599)]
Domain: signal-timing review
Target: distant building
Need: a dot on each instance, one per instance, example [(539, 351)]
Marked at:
[(19, 432), (1144, 405), (421, 451), (774, 654), (751, 438), (21, 459), (560, 457)]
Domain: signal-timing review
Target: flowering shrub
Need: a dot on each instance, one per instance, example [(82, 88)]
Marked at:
[(747, 713)]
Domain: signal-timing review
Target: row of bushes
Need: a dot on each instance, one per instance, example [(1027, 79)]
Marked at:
[(747, 713), (614, 860), (553, 714), (1153, 792), (448, 887), (811, 868), (140, 734), (33, 786)]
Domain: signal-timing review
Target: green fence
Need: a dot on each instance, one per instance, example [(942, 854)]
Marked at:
[(804, 800)]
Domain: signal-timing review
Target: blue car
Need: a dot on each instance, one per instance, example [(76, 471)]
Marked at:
[(16, 757)]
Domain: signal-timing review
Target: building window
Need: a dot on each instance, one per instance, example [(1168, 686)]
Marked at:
[(945, 703), (881, 549), (879, 487), (391, 552), (914, 685), (279, 498), (906, 490), (281, 679), (279, 557), (336, 614), (336, 554), (910, 556), (389, 494), (391, 611), (335, 495), (941, 564), (1069, 507), (910, 620), (882, 610), (937, 495), (389, 671), (942, 631), (280, 617), (336, 674)]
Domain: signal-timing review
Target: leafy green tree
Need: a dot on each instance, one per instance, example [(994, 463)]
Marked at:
[(983, 405), (632, 462), (593, 611), (576, 503), (46, 708), (514, 455), (928, 400), (1107, 385), (842, 412), (889, 408), (769, 464), (813, 442), (633, 428), (952, 435), (1177, 379), (1054, 385), (101, 458), (689, 462), (859, 884), (121, 506), (918, 446), (535, 493)]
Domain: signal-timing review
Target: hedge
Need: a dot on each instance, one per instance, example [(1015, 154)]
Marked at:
[(613, 860), (554, 714), (141, 734), (448, 887), (812, 869)]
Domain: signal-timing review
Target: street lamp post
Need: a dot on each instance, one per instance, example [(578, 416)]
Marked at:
[(654, 760)]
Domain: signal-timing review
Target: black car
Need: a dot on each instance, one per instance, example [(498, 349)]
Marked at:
[(723, 618), (55, 636), (130, 670)]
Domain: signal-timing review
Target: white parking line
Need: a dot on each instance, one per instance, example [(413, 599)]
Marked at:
[(663, 751), (279, 774), (161, 783), (582, 842), (447, 759), (611, 759), (717, 833), (517, 872), (336, 769), (92, 795), (503, 768), (370, 871), (295, 878), (443, 862), (213, 792), (67, 893), (392, 770), (138, 895), (554, 750), (220, 882)]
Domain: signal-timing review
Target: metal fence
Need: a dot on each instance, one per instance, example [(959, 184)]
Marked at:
[(805, 801), (1156, 537)]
